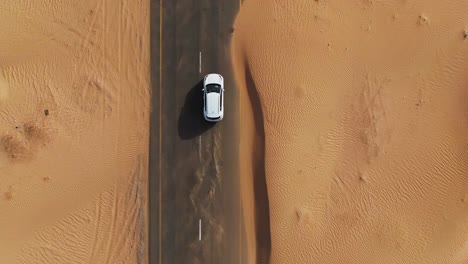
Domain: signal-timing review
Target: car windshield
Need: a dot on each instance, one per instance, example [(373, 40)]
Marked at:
[(213, 88)]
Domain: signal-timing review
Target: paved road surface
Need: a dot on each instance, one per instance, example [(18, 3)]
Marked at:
[(192, 164)]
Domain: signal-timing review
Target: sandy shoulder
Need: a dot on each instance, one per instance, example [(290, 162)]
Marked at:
[(74, 107), (365, 123)]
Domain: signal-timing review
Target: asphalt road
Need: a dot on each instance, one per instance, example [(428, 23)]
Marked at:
[(193, 172)]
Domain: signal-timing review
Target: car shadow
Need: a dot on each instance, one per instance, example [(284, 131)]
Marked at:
[(191, 122)]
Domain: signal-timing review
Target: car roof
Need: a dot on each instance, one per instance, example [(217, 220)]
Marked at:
[(212, 102)]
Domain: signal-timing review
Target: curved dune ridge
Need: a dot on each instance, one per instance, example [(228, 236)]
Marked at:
[(363, 122), (74, 112)]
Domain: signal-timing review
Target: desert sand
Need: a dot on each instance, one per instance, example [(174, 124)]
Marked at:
[(354, 117), (74, 111)]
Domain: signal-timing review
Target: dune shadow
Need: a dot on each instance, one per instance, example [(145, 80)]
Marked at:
[(262, 209), (191, 122)]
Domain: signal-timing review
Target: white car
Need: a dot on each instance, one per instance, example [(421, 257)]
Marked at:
[(213, 97)]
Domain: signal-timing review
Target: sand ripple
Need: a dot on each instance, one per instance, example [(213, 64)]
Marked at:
[(364, 104)]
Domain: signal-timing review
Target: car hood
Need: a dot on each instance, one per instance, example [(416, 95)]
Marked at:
[(213, 78), (212, 104)]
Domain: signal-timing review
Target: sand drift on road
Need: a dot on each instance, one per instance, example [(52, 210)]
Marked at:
[(74, 111), (353, 130)]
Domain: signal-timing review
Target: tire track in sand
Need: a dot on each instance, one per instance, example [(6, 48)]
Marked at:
[(97, 224)]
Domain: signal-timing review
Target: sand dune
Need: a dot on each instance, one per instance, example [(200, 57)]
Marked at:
[(363, 121), (74, 106)]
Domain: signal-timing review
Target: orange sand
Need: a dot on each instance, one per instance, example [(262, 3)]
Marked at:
[(74, 107), (364, 111)]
